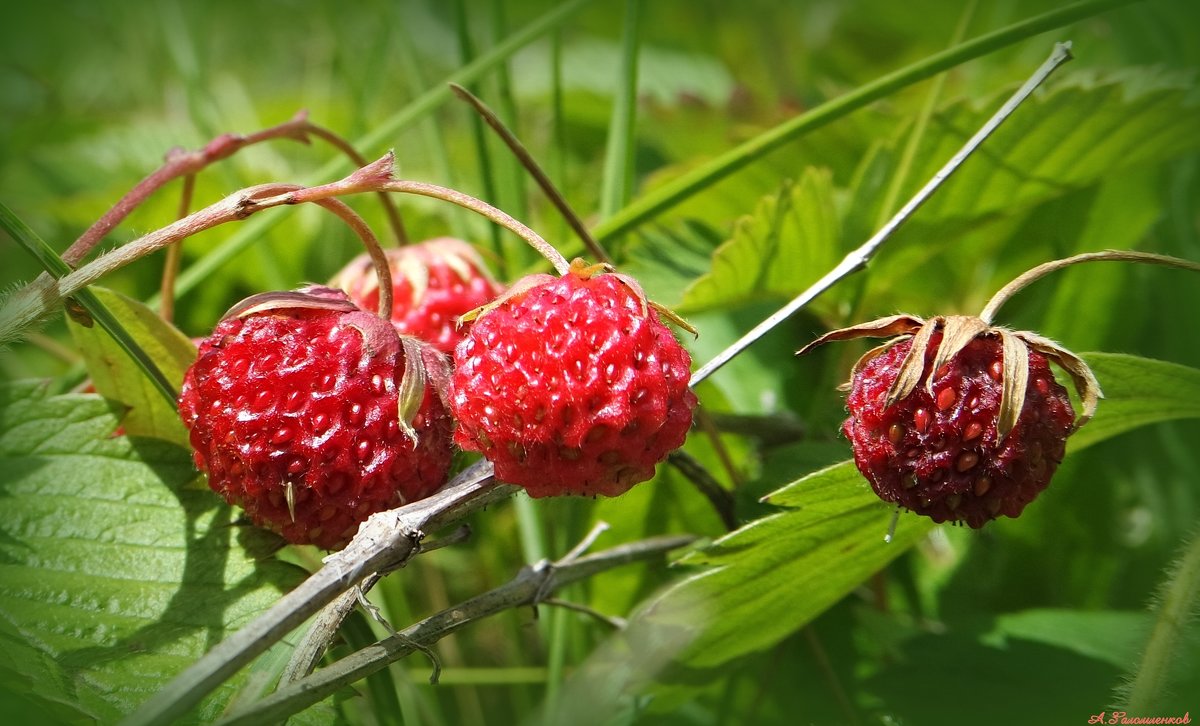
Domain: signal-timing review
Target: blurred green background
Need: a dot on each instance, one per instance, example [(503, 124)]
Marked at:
[(1036, 619)]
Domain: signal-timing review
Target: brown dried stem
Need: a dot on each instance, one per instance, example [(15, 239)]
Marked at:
[(166, 306), (180, 163), (389, 204), (535, 170), (377, 176), (530, 585), (1024, 280), (858, 258), (384, 542)]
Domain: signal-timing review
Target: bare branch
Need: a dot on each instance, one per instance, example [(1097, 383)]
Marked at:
[(384, 542), (858, 258), (544, 578)]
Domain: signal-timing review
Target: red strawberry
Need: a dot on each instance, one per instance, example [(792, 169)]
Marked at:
[(310, 413), (433, 283), (961, 422), (572, 385)]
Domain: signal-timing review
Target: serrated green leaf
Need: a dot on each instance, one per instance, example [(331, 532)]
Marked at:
[(774, 575), (114, 575), (1137, 392), (1081, 131), (116, 376), (790, 241)]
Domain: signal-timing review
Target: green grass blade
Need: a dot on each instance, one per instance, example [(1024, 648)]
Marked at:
[(671, 194), (618, 155), (487, 176), (100, 314), (425, 103)]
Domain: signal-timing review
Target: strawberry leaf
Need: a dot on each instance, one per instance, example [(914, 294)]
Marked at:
[(798, 229), (114, 574), (1137, 392), (116, 377), (762, 582)]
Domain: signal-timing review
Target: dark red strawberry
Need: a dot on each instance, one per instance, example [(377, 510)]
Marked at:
[(960, 421), (433, 283), (313, 414), (572, 385)]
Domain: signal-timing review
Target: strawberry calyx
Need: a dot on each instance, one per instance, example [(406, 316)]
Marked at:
[(957, 331)]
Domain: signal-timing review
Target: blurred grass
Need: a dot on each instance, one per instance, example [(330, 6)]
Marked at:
[(91, 97)]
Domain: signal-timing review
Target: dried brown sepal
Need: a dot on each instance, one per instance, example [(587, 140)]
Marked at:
[(1085, 381), (417, 274), (674, 317), (412, 386), (909, 375), (520, 287), (881, 328), (870, 355), (1014, 381), (957, 332), (312, 298)]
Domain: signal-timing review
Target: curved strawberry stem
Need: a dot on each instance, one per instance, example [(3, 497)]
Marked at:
[(377, 177), (1025, 279), (486, 210), (535, 170), (379, 260), (166, 295)]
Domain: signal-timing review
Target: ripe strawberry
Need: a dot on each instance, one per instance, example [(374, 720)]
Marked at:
[(313, 414), (433, 283), (572, 385), (962, 421)]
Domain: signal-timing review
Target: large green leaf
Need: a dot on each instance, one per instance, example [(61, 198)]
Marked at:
[(765, 580), (794, 236), (790, 241), (1079, 133), (116, 377), (1137, 391), (757, 585), (114, 575)]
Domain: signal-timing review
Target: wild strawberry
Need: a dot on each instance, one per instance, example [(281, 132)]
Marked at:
[(313, 414), (958, 420), (572, 385), (433, 283)]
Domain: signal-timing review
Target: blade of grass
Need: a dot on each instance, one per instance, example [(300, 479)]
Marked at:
[(673, 193), (99, 313), (518, 205), (559, 126), (617, 178), (908, 155), (418, 109), (487, 177), (435, 141)]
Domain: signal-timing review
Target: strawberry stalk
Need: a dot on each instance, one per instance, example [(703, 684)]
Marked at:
[(1006, 293), (166, 305), (180, 163)]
